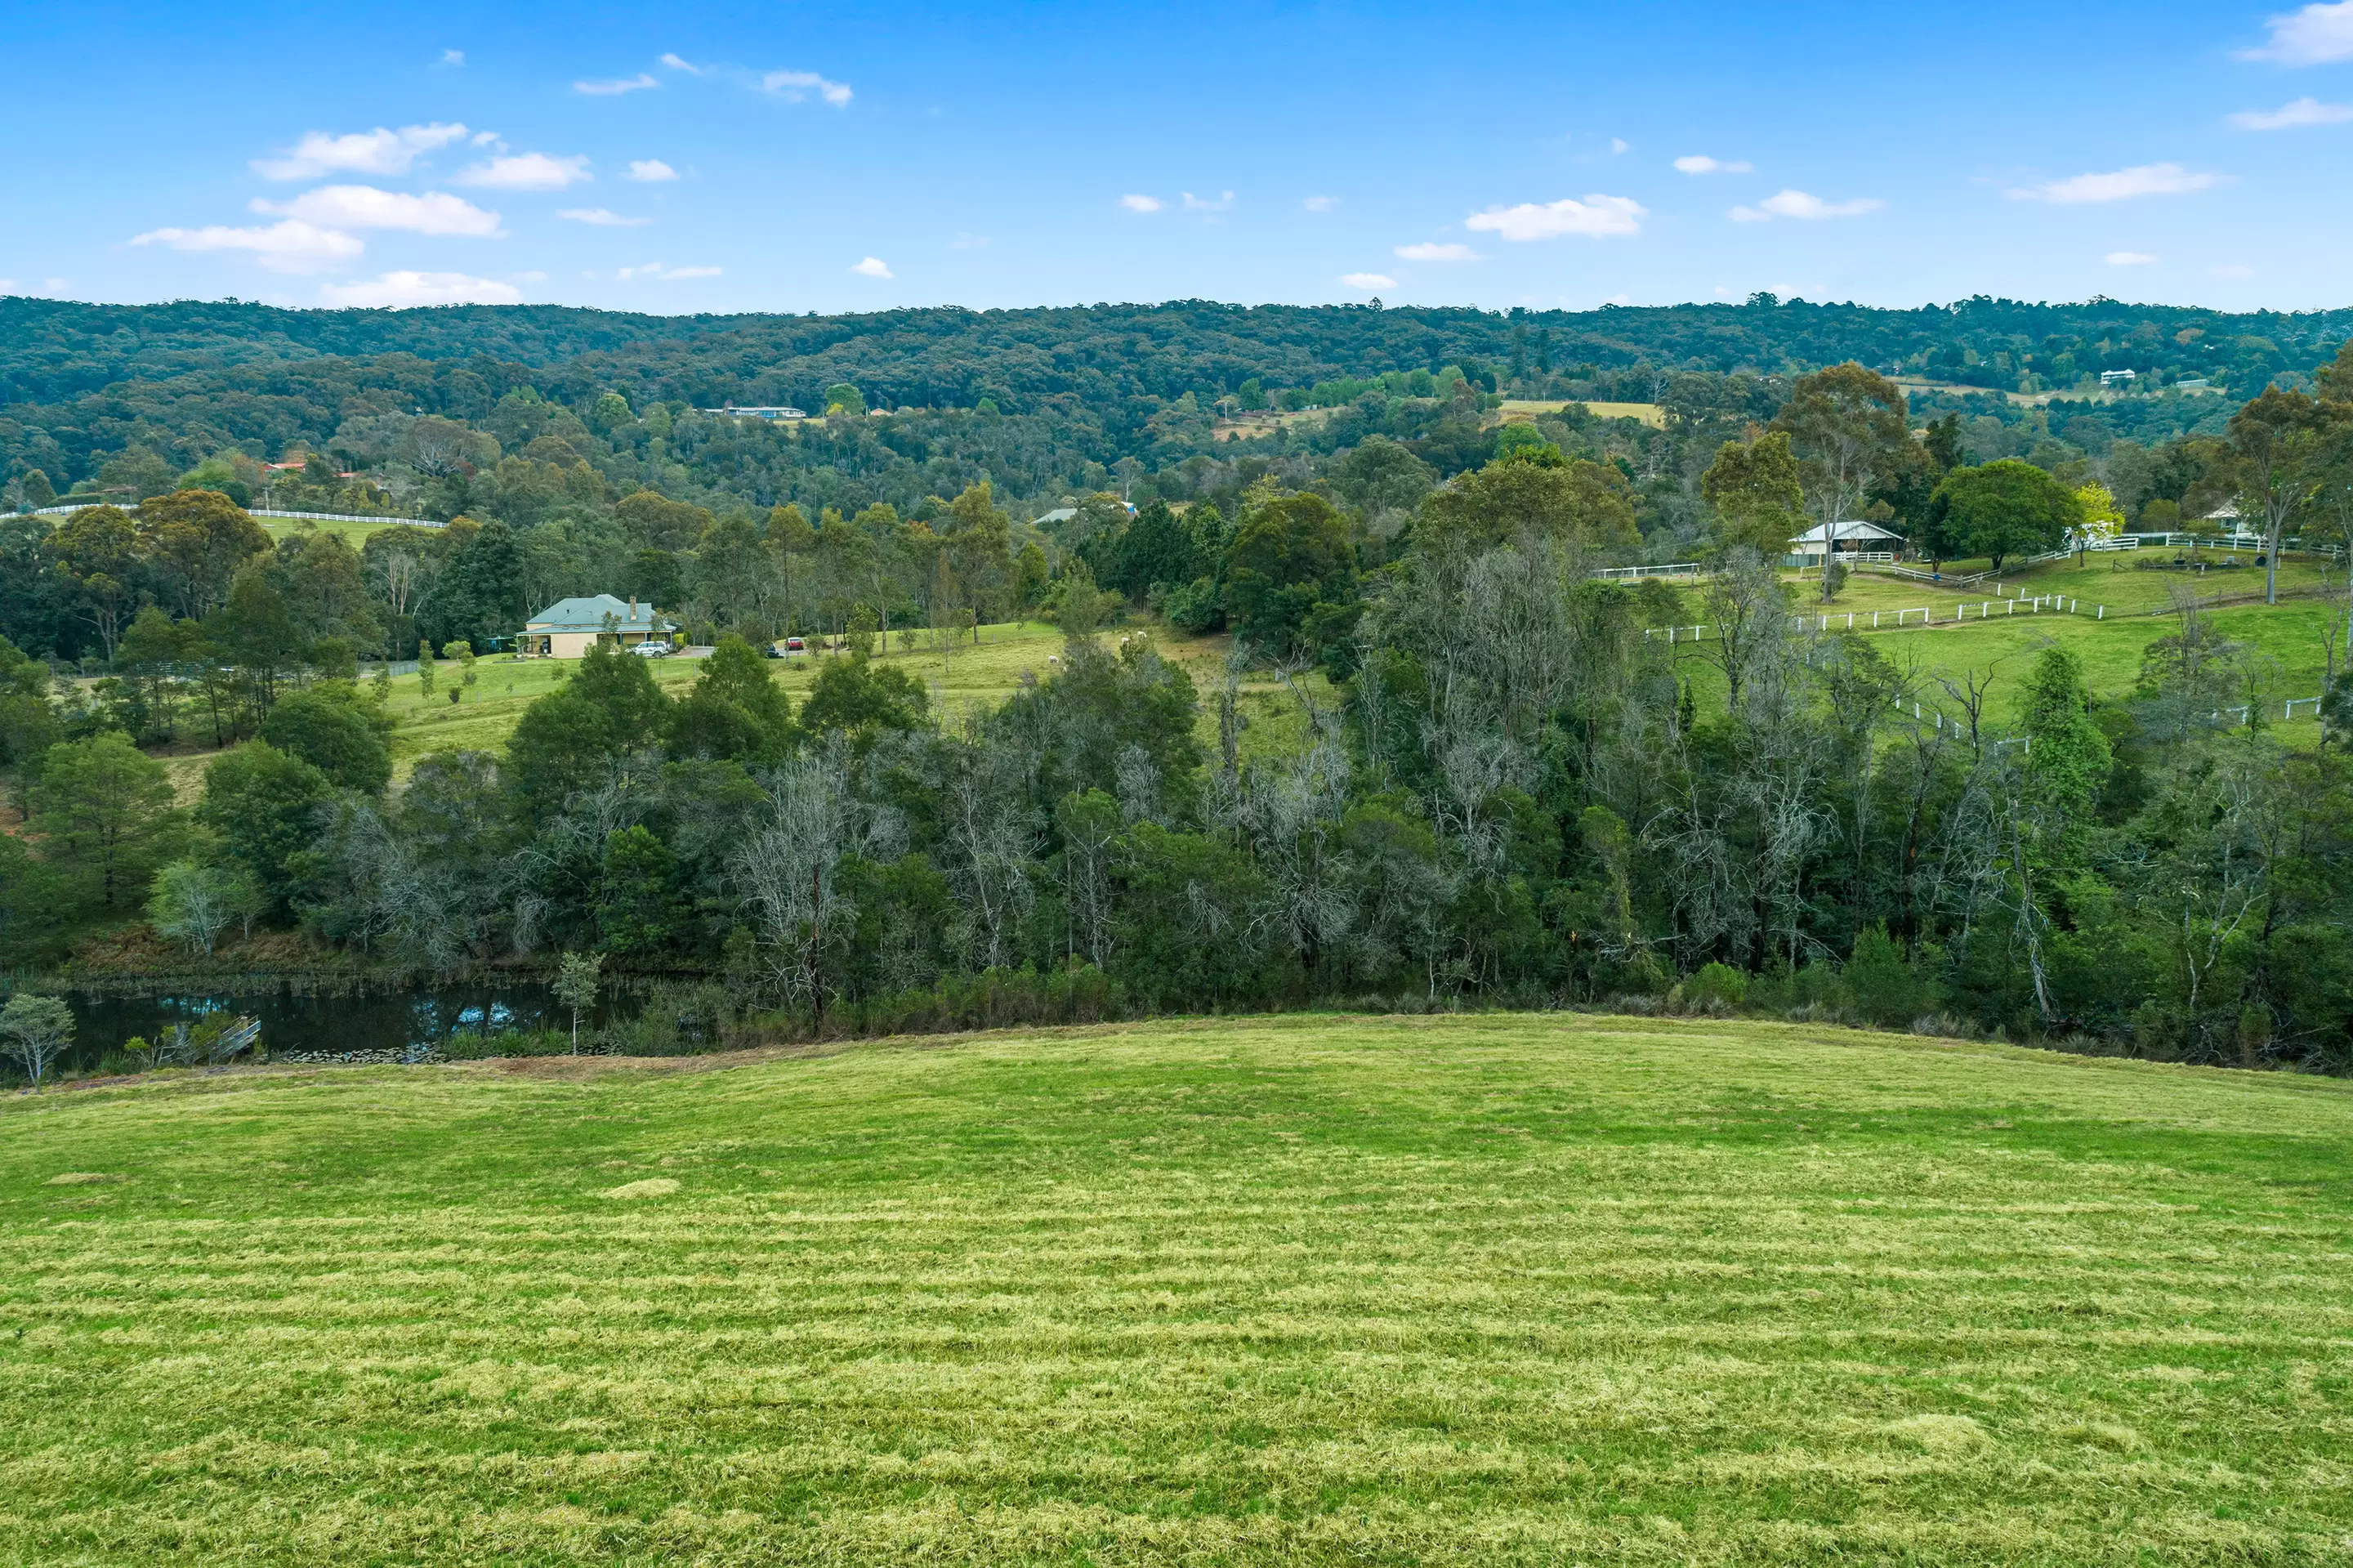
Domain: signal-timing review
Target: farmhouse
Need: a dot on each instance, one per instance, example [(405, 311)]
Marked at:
[(570, 627), (1844, 538)]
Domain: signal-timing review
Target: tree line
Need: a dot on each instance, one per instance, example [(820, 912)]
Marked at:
[(1488, 785)]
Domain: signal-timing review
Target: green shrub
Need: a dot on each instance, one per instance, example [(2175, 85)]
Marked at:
[(1716, 985), (1884, 989), (474, 1046), (999, 999)]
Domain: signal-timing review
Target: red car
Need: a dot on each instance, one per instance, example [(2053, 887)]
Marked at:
[(794, 645)]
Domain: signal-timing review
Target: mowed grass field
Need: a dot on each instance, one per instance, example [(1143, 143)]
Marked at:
[(983, 674), (976, 679), (353, 534), (1501, 1290), (2109, 580)]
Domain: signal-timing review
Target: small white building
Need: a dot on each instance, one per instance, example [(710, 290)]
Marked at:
[(1844, 538), (570, 627)]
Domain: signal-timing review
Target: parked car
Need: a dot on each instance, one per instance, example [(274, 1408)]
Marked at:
[(651, 650), (795, 645), (772, 650)]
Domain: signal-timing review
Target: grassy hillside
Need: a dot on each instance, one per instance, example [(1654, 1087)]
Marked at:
[(1502, 1290), (975, 679)]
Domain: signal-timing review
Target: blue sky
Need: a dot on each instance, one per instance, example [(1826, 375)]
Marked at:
[(786, 157)]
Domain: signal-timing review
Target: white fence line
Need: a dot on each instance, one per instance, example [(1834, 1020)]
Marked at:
[(69, 509), (1630, 574), (346, 517)]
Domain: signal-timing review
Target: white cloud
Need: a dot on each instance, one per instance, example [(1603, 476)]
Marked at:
[(488, 139), (1430, 250), (1321, 203), (656, 269), (2289, 116), (1202, 204), (364, 206), (873, 266), (616, 86), (1618, 143), (1140, 203), (1596, 215), (794, 86), (2131, 258), (293, 246), (1701, 164), (650, 171), (602, 219), (1798, 204), (2144, 179), (376, 152), (404, 291), (2316, 34), (526, 172), (1368, 280), (453, 57)]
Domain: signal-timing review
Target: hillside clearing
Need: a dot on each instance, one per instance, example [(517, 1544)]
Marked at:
[(1491, 1290)]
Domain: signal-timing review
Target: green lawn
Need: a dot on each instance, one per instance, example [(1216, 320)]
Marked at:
[(2108, 579), (2292, 635), (353, 534), (986, 674), (1535, 1290)]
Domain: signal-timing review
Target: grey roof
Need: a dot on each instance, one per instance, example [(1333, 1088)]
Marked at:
[(590, 615), (1059, 514)]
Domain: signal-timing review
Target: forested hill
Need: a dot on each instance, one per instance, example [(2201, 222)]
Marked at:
[(1024, 360)]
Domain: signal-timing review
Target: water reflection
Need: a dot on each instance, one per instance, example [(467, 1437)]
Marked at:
[(411, 1021)]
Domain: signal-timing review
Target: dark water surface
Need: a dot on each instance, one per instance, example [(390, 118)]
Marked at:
[(292, 1021)]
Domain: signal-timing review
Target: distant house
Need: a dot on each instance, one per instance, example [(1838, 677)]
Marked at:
[(570, 627), (1060, 514), (2119, 377), (733, 412), (1844, 538)]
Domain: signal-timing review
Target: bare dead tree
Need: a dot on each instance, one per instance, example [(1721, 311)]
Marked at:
[(789, 871)]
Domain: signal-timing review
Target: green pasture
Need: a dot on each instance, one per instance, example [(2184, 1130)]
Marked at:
[(2111, 580), (2292, 638), (353, 534), (975, 678), (1498, 1289), (982, 674)]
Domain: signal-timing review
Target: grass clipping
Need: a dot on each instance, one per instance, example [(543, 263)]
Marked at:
[(651, 1187)]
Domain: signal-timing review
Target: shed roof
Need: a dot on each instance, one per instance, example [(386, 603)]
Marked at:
[(1855, 530)]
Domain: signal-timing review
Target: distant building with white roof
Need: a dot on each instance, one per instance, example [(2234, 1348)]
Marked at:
[(1843, 538)]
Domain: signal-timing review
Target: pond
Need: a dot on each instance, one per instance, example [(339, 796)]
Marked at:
[(367, 1021)]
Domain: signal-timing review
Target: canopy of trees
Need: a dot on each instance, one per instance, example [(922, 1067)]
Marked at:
[(1500, 789)]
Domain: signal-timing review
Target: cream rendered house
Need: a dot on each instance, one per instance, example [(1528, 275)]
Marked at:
[(570, 627)]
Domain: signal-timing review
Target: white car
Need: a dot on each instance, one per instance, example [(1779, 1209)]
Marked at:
[(651, 650)]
